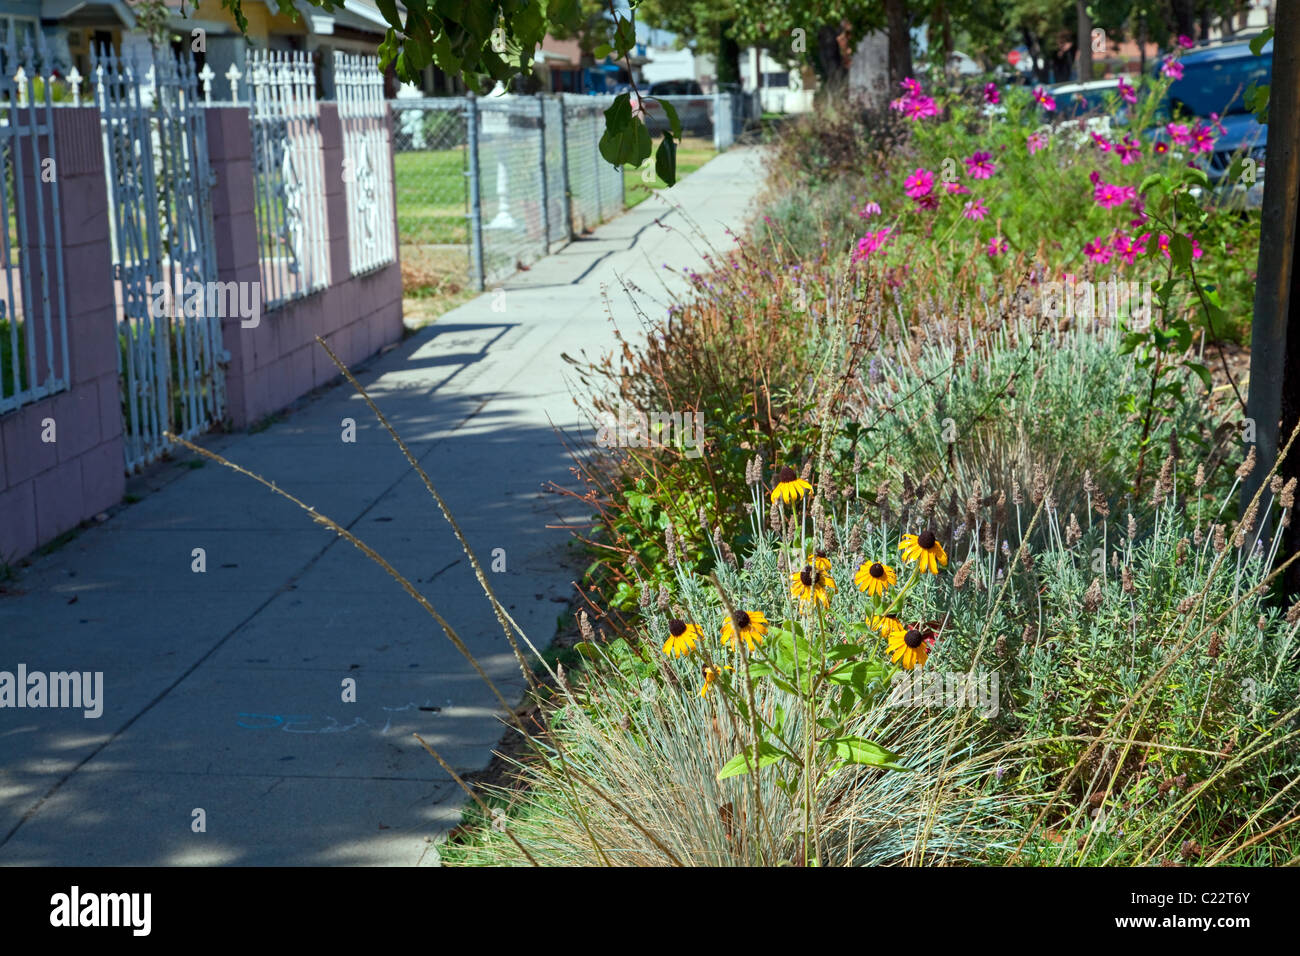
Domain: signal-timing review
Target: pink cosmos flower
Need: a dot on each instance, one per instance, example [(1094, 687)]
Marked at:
[(1044, 99), (1129, 248), (997, 246), (919, 107), (1128, 151), (928, 201), (1162, 243), (1102, 142), (991, 95), (1098, 250), (911, 86), (1202, 139), (955, 189), (870, 243), (1094, 177), (980, 165), (1127, 92), (975, 210), (1185, 41), (1178, 133), (919, 184), (1108, 195), (1172, 68), (869, 210), (1036, 142), (1160, 148)]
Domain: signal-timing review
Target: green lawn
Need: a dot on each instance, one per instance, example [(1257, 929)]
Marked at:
[(693, 153), (431, 206)]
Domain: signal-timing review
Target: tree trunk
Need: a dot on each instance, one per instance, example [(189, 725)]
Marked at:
[(727, 68), (1142, 46), (830, 63), (1184, 13), (1274, 397), (900, 40), (1085, 41)]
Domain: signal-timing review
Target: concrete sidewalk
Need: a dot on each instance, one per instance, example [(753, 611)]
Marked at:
[(223, 689)]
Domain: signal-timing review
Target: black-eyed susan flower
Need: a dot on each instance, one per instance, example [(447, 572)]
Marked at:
[(711, 673), (875, 578), (819, 560), (681, 638), (885, 625), (925, 550), (910, 646), (811, 584), (789, 486), (749, 625)]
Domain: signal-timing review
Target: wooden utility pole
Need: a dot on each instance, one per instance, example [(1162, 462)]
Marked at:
[(1273, 404)]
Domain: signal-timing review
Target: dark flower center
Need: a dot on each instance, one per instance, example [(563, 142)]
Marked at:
[(925, 539), (676, 627), (877, 570), (913, 638), (786, 474), (806, 576), (740, 619), (821, 552)]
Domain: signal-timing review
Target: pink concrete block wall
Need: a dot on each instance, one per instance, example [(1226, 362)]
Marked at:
[(278, 361), (49, 488)]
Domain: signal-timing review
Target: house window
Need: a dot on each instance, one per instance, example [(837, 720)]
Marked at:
[(22, 30)]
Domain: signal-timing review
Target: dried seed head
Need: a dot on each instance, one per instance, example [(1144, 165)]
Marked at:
[(1287, 498), (855, 539), (584, 626), (1216, 645), (1198, 536), (663, 600), (964, 572), (1093, 597), (1132, 527), (1248, 465), (830, 538), (1089, 486), (1073, 533), (857, 462), (1039, 488), (807, 470), (1220, 538), (1247, 523), (774, 520), (1100, 505), (1275, 485), (1126, 580), (670, 545), (1293, 613), (1167, 474), (1199, 480), (1186, 604), (1180, 552), (1000, 647)]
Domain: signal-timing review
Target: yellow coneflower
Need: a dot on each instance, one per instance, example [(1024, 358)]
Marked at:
[(885, 625), (750, 625), (681, 638), (812, 585), (925, 549), (875, 578), (819, 560), (711, 673), (909, 646), (789, 486)]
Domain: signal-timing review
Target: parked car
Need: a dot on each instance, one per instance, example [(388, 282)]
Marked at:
[(694, 108), (1214, 83)]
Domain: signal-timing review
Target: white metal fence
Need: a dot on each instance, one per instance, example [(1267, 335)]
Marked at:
[(290, 182), (33, 306), (367, 161), (164, 262)]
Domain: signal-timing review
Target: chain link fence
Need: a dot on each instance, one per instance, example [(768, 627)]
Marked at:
[(488, 184)]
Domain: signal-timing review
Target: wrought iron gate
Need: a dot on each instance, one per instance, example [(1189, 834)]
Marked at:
[(170, 354)]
